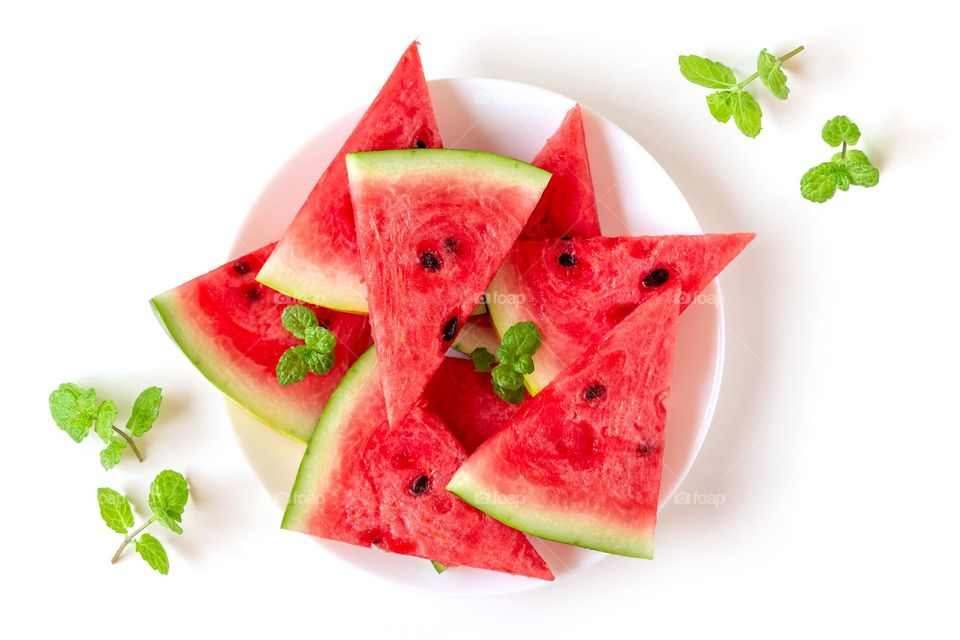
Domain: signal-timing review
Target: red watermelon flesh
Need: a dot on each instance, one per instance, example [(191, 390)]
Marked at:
[(317, 258), (576, 290), (568, 206), (433, 225), (464, 399), (229, 326), (366, 483), (581, 462)]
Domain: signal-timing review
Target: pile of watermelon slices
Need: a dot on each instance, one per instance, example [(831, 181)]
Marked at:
[(395, 249)]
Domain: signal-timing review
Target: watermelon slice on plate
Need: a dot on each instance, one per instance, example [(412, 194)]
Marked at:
[(433, 225), (464, 399), (576, 290), (366, 483), (317, 259), (581, 462), (229, 326)]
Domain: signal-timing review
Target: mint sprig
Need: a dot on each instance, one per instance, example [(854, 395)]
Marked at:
[(848, 167), (514, 359), (732, 100), (169, 493), (315, 355), (75, 411)]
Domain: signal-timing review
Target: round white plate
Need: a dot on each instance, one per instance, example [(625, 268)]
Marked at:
[(636, 197)]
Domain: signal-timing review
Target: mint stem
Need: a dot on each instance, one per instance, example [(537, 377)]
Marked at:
[(130, 442), (780, 61), (130, 538), (843, 151)]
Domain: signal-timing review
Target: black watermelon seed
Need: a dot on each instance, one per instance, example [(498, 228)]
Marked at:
[(420, 485), (450, 329), (243, 268), (656, 278), (430, 261), (594, 391), (567, 260), (451, 244), (421, 144), (566, 238), (644, 450), (252, 294)]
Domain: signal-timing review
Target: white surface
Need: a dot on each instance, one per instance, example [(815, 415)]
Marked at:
[(513, 119), (132, 140)]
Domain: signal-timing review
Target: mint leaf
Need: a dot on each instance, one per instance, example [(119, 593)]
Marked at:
[(319, 362), (145, 410), (168, 497), (73, 409), (858, 168), (320, 339), (746, 113), (483, 360), (505, 376), (513, 396), (106, 416), (521, 338), (720, 104), (819, 184), (110, 456), (523, 363), (297, 319), (293, 365), (153, 552), (771, 75), (840, 129), (115, 510), (706, 73)]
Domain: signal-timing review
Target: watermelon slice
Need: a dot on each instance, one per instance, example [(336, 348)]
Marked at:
[(433, 225), (317, 257), (576, 290), (229, 327), (464, 399), (580, 463), (365, 483), (568, 206)]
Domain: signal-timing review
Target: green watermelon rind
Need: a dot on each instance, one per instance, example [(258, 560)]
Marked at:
[(321, 453), (568, 528), (193, 345), (288, 276), (404, 162), (472, 337)]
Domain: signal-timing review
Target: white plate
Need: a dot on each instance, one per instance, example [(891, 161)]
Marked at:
[(636, 197)]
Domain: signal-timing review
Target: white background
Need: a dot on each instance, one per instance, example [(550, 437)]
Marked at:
[(134, 139)]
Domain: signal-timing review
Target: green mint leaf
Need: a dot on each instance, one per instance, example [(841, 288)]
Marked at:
[(73, 409), (706, 73), (842, 178), (153, 552), (110, 456), (297, 319), (746, 113), (168, 497), (819, 184), (145, 410), (293, 365), (522, 338), (523, 364), (106, 416), (319, 362), (858, 168), (720, 104), (320, 339), (513, 396), (505, 376), (115, 510), (483, 360), (840, 129), (771, 75), (854, 156)]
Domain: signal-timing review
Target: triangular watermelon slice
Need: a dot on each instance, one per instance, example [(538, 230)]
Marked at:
[(229, 326), (464, 399), (576, 290), (433, 225), (317, 259), (364, 482), (568, 206), (580, 463)]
